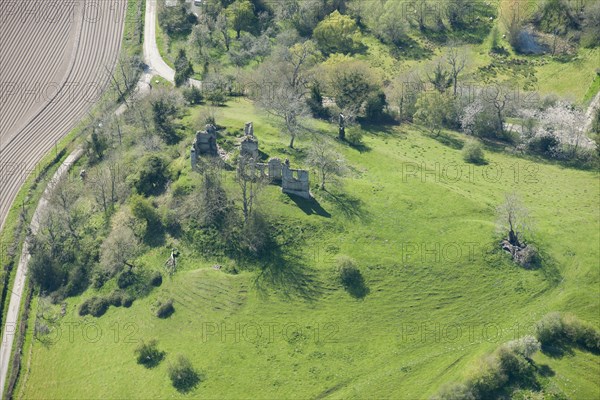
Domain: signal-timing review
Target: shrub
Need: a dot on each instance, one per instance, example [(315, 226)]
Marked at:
[(165, 309), (152, 176), (514, 365), (351, 277), (115, 298), (99, 278), (549, 330), (95, 306), (125, 279), (489, 378), (374, 106), (525, 346), (473, 152), (580, 333), (555, 330), (156, 279), (127, 300), (546, 145), (192, 95), (84, 308), (354, 137), (148, 354), (183, 375)]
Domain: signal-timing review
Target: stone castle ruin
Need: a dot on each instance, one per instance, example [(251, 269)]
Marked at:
[(205, 143), (249, 144), (292, 181)]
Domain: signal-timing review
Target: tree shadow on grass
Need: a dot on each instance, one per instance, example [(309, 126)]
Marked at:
[(286, 274), (358, 289), (558, 350), (348, 205), (545, 370), (410, 49), (309, 206), (448, 140)]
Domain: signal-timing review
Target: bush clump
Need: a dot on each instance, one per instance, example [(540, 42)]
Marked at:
[(473, 152), (192, 95), (509, 364), (351, 278), (125, 279), (183, 375), (156, 279), (95, 306), (148, 355), (354, 137), (556, 330), (115, 298), (165, 309), (127, 300)]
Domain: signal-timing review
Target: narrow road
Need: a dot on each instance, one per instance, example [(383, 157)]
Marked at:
[(12, 316), (152, 57)]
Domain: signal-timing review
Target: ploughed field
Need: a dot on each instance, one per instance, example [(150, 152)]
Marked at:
[(54, 66)]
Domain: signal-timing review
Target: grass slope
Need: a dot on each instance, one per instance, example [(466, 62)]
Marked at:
[(426, 318)]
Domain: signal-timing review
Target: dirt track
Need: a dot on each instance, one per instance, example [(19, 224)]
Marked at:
[(53, 69)]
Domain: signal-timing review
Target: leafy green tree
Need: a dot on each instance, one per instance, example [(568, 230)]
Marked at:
[(222, 26), (183, 68), (457, 12), (241, 16), (165, 106), (384, 18), (375, 105), (433, 110), (351, 84), (315, 102), (183, 375), (119, 249), (201, 42), (439, 77), (591, 25), (97, 145), (148, 354), (176, 21), (337, 34), (152, 176)]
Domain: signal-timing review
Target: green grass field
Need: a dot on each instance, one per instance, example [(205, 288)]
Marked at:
[(419, 222)]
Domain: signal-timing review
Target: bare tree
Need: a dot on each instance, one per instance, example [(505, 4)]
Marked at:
[(282, 84), (222, 26), (64, 199), (457, 60), (513, 219), (250, 182), (326, 161), (120, 247), (211, 202), (107, 183), (498, 97)]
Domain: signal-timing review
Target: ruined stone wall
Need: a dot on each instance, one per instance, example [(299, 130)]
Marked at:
[(295, 181)]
